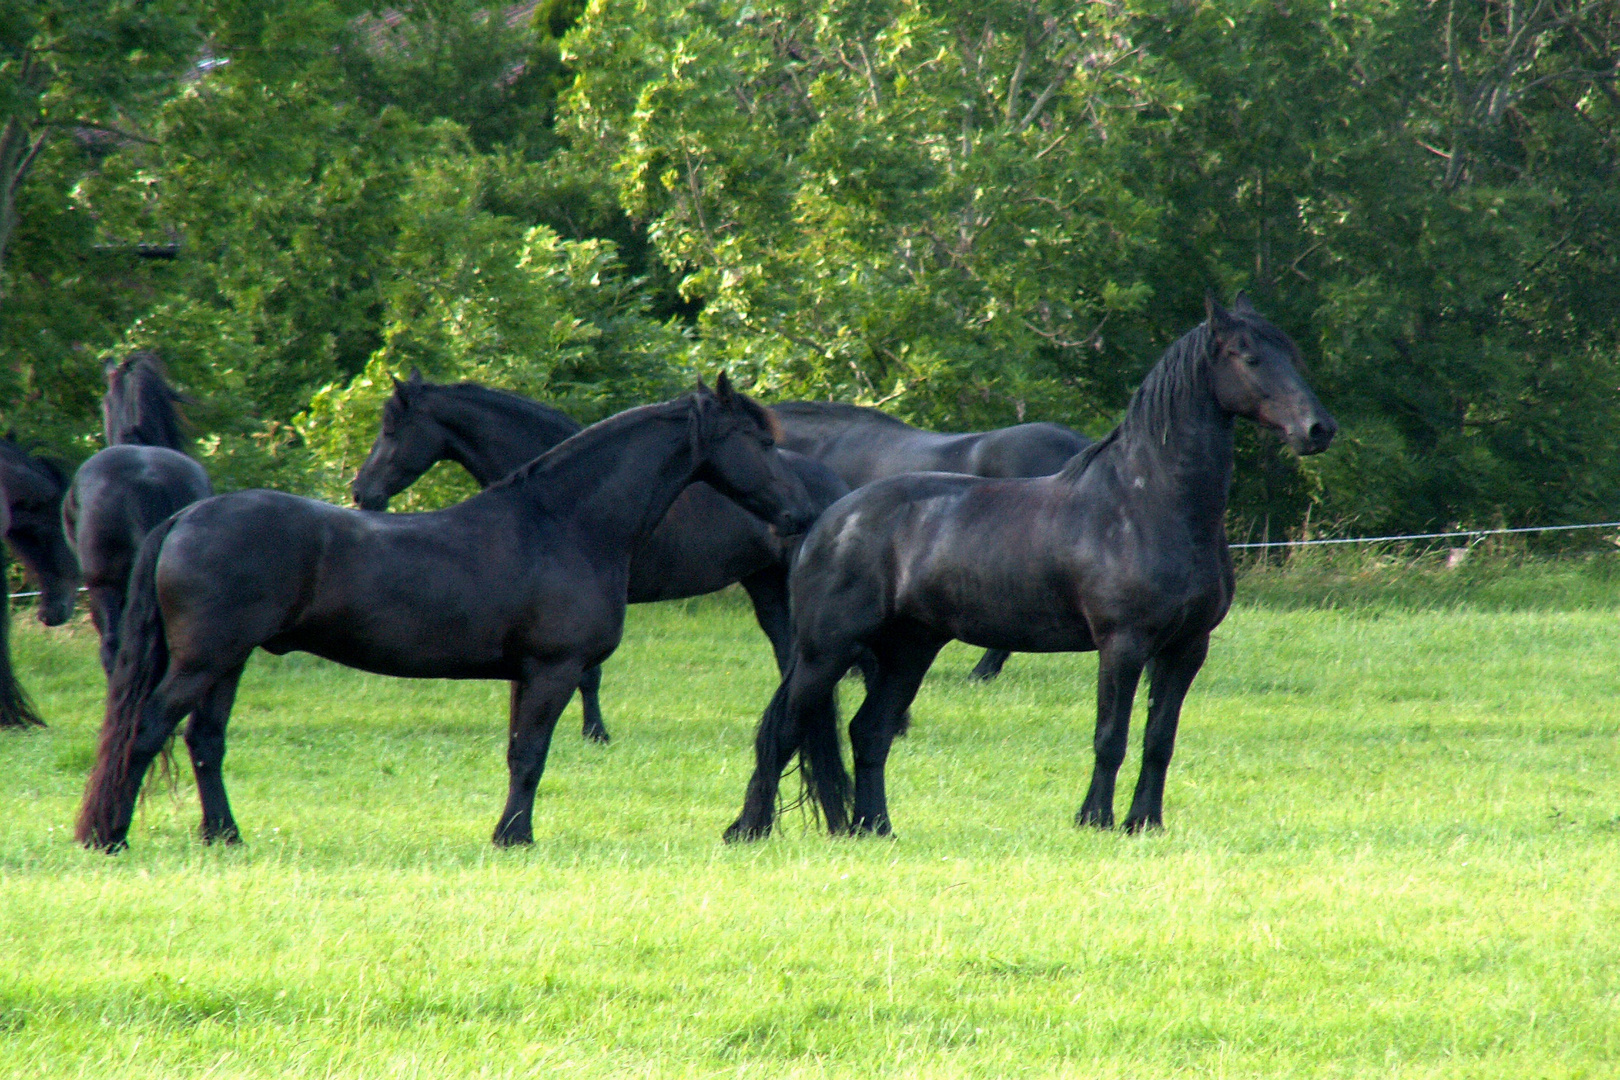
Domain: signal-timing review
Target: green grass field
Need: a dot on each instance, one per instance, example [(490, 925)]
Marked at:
[(1393, 850)]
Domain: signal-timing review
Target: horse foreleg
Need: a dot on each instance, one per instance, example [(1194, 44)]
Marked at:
[(537, 700), (205, 740), (1170, 674), (989, 665), (106, 608), (590, 703), (768, 590), (1119, 669), (882, 716), (802, 716)]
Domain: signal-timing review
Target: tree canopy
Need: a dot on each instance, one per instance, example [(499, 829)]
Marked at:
[(968, 214)]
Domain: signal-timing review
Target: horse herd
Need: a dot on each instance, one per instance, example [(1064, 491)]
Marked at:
[(861, 541)]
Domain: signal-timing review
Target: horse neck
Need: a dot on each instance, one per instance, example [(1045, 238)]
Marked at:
[(617, 479), (1176, 439), (485, 441)]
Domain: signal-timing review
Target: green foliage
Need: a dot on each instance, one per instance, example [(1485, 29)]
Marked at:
[(921, 205), (971, 214)]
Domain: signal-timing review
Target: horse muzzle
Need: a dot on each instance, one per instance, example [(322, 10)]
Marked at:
[(1314, 436), (57, 610)]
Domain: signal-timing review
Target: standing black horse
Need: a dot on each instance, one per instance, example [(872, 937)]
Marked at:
[(1124, 551), (31, 490), (123, 492), (524, 582), (862, 445), (704, 543)]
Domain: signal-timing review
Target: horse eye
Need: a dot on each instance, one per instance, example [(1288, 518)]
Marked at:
[(1252, 359)]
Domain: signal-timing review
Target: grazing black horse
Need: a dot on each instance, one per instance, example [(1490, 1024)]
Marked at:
[(862, 445), (524, 582), (31, 490), (704, 543), (1124, 552), (124, 491)]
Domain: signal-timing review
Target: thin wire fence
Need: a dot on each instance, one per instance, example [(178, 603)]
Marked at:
[(1472, 533), (1401, 538)]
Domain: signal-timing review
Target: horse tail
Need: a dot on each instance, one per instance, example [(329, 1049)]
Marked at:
[(16, 710), (143, 659), (814, 736)]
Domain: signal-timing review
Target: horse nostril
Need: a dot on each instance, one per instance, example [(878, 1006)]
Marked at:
[(1321, 433)]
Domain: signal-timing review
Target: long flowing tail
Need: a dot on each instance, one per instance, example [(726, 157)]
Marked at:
[(143, 658), (813, 735), (16, 711)]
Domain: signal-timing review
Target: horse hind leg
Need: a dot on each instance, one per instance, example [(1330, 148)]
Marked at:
[(802, 716), (882, 716), (205, 740), (106, 607), (160, 714), (1170, 675), (590, 703)]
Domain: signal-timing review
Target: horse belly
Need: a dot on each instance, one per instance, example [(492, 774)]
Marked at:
[(1009, 602)]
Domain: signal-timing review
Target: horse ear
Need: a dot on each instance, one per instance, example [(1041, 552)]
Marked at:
[(416, 376), (722, 387), (1242, 306), (1219, 318)]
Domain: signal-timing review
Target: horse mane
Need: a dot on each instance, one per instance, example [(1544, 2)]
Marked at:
[(140, 404), (1177, 376), (812, 410), (587, 438), (577, 442), (515, 405)]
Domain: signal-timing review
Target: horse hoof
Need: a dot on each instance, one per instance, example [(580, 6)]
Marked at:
[(978, 675), (1092, 819), (741, 833), (512, 839), (598, 735), (1141, 825)]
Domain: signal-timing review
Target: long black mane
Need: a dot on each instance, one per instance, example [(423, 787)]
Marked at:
[(1168, 391), (695, 407), (140, 405), (514, 407)]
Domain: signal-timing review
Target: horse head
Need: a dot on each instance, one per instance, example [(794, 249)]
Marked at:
[(1255, 368), (140, 406), (33, 489), (410, 441), (734, 440)]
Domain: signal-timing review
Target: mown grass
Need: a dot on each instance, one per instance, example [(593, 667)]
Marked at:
[(1393, 849)]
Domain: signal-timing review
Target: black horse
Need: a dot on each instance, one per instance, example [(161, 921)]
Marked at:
[(523, 582), (31, 490), (704, 543), (1124, 552), (123, 492), (862, 445)]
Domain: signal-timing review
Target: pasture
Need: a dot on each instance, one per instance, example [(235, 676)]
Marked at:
[(1392, 849)]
